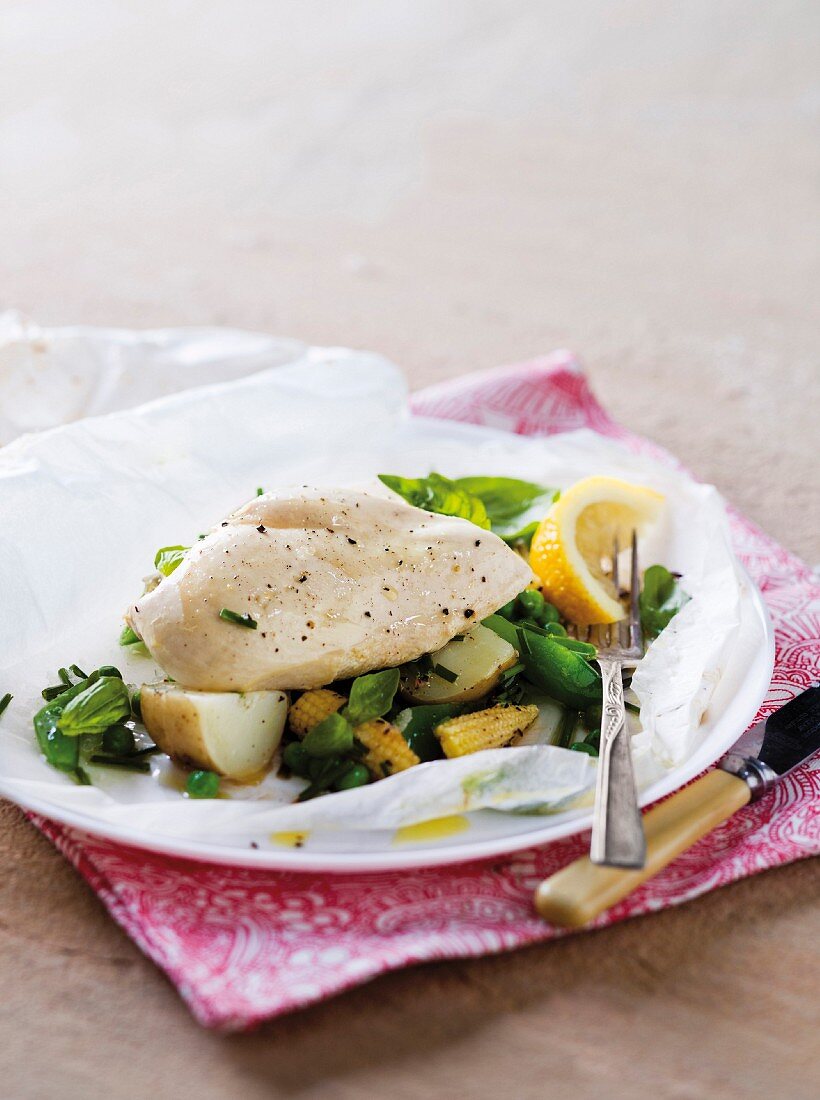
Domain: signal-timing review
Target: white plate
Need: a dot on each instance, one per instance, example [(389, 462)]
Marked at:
[(84, 508)]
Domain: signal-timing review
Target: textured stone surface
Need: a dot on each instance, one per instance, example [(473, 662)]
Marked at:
[(456, 186)]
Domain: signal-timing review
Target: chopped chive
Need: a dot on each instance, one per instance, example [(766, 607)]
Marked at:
[(4, 702), (260, 492), (78, 672), (445, 673), (63, 675), (633, 707), (566, 728), (523, 641), (239, 620), (121, 762), (584, 746), (82, 777), (129, 636), (51, 693)]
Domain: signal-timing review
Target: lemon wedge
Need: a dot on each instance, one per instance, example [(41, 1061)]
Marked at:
[(574, 536)]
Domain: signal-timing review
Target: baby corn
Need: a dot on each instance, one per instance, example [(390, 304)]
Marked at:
[(312, 708), (387, 751), (484, 729)]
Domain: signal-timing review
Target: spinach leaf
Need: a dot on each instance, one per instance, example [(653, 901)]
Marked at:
[(93, 709), (660, 600), (505, 498), (439, 494), (167, 558), (564, 674), (371, 696), (418, 724), (60, 751)]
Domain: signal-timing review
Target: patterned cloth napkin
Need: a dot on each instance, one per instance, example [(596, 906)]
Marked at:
[(245, 945)]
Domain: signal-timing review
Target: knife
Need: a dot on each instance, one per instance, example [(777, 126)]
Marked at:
[(757, 761)]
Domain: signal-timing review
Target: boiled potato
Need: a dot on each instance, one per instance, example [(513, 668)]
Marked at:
[(476, 661), (229, 733)]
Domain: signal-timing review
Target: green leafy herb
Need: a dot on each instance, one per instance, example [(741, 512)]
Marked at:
[(332, 737), (504, 498), (439, 494), (99, 705), (523, 536), (660, 600), (4, 702), (565, 675), (418, 724), (260, 492), (239, 620), (168, 558), (60, 751), (372, 695), (202, 784), (129, 636)]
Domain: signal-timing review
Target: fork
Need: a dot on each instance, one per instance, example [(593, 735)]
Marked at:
[(617, 828)]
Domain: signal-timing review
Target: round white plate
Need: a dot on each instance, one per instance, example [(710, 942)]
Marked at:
[(84, 508), (482, 834)]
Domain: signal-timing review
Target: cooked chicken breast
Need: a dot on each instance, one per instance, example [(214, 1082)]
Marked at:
[(338, 582)]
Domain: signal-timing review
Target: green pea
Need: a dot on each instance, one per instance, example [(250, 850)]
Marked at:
[(202, 784), (118, 740), (297, 759), (548, 614), (584, 746), (356, 776), (531, 603)]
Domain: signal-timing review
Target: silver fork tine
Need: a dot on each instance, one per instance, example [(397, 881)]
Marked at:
[(618, 628), (634, 593)]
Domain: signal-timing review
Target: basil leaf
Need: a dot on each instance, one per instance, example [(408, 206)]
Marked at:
[(660, 600), (372, 695), (168, 558), (504, 498), (332, 737), (440, 495), (523, 535), (95, 708), (60, 751)]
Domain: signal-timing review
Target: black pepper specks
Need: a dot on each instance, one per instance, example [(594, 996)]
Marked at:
[(261, 528), (478, 542), (468, 613), (352, 541), (445, 610)]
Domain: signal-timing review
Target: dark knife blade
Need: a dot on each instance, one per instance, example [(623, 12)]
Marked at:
[(778, 744)]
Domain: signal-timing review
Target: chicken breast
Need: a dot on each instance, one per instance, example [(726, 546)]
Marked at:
[(339, 582)]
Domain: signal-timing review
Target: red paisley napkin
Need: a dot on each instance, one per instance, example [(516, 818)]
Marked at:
[(245, 945)]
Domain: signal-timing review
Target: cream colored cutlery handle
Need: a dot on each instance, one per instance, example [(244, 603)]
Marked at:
[(580, 892)]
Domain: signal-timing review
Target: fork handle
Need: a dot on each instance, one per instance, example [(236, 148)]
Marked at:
[(617, 829)]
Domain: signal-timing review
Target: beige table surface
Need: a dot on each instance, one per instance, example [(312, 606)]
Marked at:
[(455, 184)]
